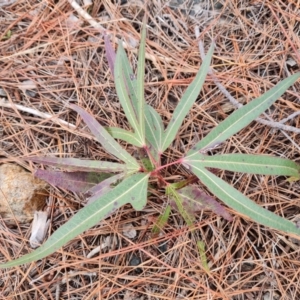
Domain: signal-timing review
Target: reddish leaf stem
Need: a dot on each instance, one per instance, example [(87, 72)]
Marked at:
[(179, 161), (155, 163)]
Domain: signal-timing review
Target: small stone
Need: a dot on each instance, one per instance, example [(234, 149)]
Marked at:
[(163, 247), (134, 261), (21, 194)]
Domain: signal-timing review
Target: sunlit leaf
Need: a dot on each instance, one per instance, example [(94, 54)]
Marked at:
[(132, 190), (243, 116), (187, 101)]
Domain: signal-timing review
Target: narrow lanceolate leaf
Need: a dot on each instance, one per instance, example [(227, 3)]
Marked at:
[(130, 83), (132, 190), (78, 182), (125, 100), (110, 54), (246, 163), (154, 132), (239, 202), (127, 136), (243, 116), (187, 101), (130, 79), (201, 249), (195, 200), (140, 81), (106, 140), (75, 164), (175, 196), (161, 222)]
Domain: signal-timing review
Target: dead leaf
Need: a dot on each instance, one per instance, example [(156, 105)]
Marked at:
[(129, 231), (39, 229)]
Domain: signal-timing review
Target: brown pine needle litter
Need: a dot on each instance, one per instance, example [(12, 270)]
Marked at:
[(52, 54)]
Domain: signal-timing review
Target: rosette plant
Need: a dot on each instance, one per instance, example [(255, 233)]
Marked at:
[(128, 182)]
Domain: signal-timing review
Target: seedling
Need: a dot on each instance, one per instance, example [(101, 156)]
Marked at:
[(127, 182)]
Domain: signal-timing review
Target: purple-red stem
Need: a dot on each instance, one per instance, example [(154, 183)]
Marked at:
[(179, 161), (150, 155)]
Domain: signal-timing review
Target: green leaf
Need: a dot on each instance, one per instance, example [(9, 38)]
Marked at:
[(106, 140), (102, 187), (187, 101), (140, 81), (148, 166), (201, 249), (242, 204), (180, 184), (132, 190), (7, 36), (174, 195), (124, 98), (75, 164), (243, 116), (161, 222), (122, 134), (246, 163), (135, 87), (154, 132), (130, 79)]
